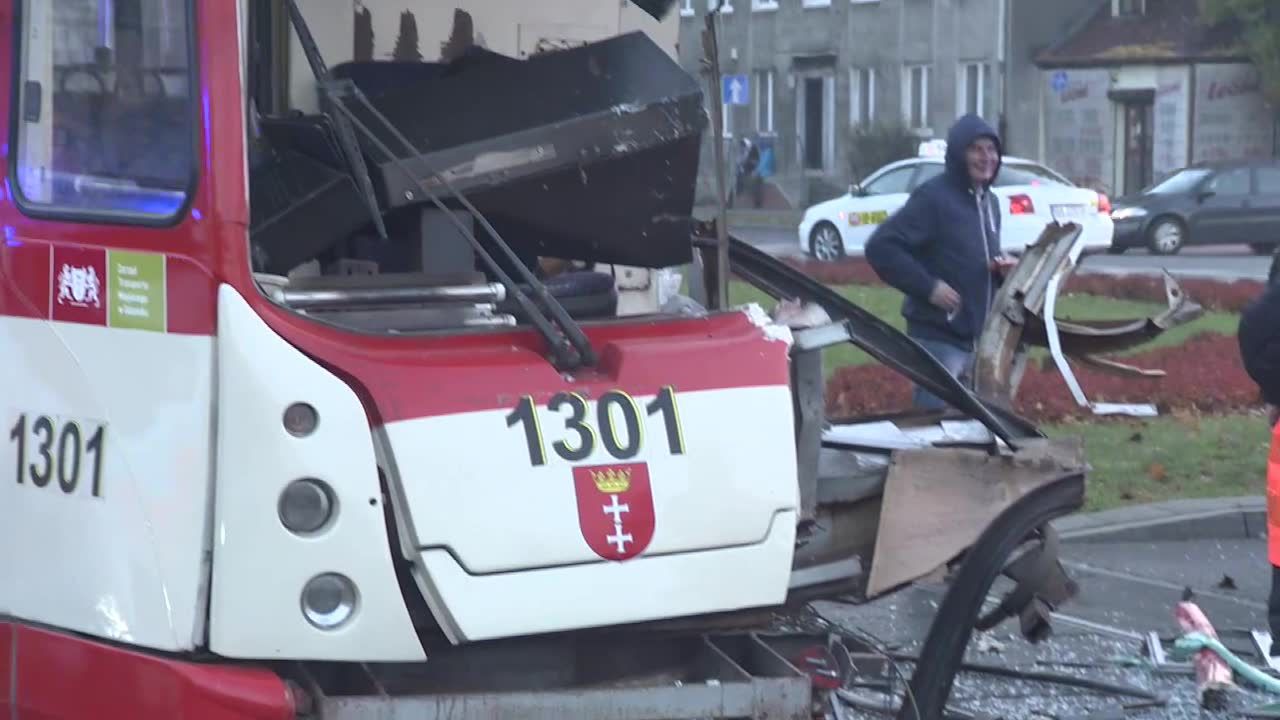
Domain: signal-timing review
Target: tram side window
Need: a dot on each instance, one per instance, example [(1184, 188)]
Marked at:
[(106, 100)]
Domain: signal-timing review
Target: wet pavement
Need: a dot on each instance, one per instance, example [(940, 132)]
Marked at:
[(1130, 587)]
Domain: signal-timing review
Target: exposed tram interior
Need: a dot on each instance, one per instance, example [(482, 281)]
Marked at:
[(562, 167)]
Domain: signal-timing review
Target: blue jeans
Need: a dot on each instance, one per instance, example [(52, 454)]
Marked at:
[(957, 361)]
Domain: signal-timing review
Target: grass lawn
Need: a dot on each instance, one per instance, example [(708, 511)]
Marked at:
[(886, 303), (1140, 461)]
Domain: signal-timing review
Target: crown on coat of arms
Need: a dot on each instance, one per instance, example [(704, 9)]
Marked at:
[(612, 481)]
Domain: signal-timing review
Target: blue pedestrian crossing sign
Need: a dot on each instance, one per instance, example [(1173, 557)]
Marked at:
[(735, 89)]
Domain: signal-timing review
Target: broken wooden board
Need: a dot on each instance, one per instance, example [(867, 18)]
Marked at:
[(938, 501)]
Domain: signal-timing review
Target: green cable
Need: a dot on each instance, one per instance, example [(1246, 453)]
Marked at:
[(1191, 643)]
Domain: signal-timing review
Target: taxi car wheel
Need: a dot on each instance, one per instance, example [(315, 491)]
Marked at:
[(824, 242), (1167, 236)]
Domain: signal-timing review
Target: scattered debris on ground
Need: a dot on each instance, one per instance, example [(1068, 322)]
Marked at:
[(1087, 671)]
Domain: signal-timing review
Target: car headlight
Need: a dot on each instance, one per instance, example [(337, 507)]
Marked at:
[(1128, 213)]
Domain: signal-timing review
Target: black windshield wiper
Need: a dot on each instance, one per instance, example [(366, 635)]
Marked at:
[(346, 138), (569, 346)]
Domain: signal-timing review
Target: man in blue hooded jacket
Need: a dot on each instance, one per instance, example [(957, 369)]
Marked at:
[(942, 250)]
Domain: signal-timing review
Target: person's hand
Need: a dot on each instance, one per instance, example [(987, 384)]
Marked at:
[(945, 297)]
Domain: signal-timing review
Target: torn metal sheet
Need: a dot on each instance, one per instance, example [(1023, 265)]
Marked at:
[(938, 501), (998, 362), (1024, 314), (887, 435), (1094, 338), (1119, 368), (1064, 368), (1262, 641)]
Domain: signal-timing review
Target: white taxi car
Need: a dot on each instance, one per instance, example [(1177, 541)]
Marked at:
[(1031, 196)]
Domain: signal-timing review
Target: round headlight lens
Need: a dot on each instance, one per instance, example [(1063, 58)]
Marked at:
[(306, 506), (328, 601)]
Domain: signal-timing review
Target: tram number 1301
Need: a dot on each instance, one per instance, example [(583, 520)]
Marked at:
[(582, 435), (49, 449)]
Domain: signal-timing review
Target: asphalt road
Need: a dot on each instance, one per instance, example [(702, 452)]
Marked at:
[(1218, 263), (1128, 587)]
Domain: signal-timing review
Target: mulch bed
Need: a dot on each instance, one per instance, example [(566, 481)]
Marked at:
[(1212, 295), (1203, 375)]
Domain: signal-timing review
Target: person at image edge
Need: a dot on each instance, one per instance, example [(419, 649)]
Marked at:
[(1259, 338)]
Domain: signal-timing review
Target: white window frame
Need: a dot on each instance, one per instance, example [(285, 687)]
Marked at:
[(908, 71), (815, 3), (764, 5), (864, 2), (763, 92), (726, 10), (686, 8), (962, 87), (855, 95)]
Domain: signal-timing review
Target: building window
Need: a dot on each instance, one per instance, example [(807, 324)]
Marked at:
[(915, 96), (724, 10), (762, 97), (1128, 7), (764, 5), (973, 88), (686, 8), (862, 96), (815, 3)]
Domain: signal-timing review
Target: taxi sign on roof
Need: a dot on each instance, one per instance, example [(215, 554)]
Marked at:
[(932, 148)]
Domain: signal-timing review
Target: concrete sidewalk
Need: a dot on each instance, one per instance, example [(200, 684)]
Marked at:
[(1234, 518)]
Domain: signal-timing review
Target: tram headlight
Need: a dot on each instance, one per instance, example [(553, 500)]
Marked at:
[(329, 601), (306, 506)]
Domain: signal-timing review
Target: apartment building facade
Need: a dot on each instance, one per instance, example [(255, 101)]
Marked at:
[(817, 68)]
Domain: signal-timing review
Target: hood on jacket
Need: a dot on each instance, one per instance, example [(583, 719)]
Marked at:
[(965, 130)]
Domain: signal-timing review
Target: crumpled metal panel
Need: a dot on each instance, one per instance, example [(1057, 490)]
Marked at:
[(937, 501)]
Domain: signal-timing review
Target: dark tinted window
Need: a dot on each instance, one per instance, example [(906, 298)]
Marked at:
[(1268, 181), (1231, 182), (894, 181), (927, 172), (1180, 182)]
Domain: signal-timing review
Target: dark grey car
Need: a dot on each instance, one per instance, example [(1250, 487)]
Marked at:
[(1228, 203)]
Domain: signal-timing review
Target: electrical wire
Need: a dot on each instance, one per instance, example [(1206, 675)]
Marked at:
[(881, 648)]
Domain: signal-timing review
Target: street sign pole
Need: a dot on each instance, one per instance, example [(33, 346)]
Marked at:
[(711, 51)]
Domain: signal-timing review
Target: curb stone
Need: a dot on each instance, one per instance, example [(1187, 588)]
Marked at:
[(1235, 518)]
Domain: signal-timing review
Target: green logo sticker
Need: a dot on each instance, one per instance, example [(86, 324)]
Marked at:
[(136, 290)]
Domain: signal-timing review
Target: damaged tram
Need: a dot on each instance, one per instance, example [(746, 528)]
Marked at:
[(312, 410)]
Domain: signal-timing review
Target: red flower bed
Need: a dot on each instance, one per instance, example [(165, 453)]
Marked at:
[(849, 271), (1211, 294), (1203, 375)]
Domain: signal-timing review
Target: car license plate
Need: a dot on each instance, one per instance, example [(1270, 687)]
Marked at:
[(1068, 212)]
